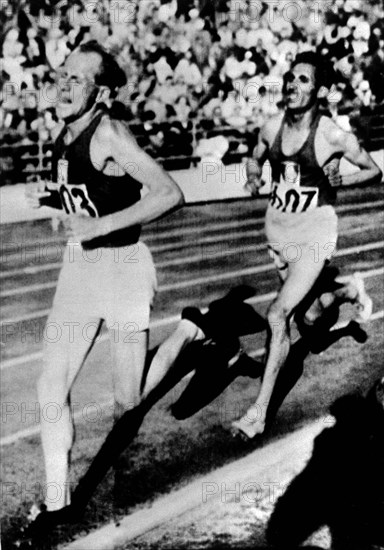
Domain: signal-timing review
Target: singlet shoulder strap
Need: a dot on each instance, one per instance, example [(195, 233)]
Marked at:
[(276, 145), (91, 128), (61, 135), (315, 125), (309, 146)]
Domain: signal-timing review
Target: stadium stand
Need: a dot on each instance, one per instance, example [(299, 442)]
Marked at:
[(196, 70)]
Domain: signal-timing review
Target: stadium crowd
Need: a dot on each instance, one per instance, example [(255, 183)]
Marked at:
[(193, 67)]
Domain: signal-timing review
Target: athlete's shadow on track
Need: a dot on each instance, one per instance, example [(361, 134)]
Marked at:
[(342, 485), (212, 376)]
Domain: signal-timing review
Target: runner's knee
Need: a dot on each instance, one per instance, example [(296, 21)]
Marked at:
[(313, 314), (127, 391), (328, 299), (278, 318), (124, 403), (187, 330), (53, 380), (52, 389)]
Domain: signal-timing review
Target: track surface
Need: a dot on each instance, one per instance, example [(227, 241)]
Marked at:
[(200, 252)]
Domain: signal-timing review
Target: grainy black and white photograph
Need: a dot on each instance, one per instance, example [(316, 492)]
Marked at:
[(192, 274)]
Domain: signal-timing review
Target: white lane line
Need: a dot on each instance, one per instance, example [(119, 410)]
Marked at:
[(184, 284), (209, 228), (246, 222), (43, 253), (30, 270), (151, 234), (260, 269), (358, 206), (28, 288), (12, 250), (12, 246), (161, 323), (37, 356), (154, 249), (175, 246), (83, 414), (202, 256), (206, 255), (21, 360), (279, 461), (105, 405), (26, 317), (257, 269)]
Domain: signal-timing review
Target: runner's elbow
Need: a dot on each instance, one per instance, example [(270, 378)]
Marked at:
[(181, 197), (379, 176), (175, 196)]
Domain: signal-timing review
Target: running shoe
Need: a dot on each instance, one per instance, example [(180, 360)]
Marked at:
[(250, 425), (36, 510)]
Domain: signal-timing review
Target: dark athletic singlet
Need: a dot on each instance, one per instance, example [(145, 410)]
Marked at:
[(299, 182), (81, 188)]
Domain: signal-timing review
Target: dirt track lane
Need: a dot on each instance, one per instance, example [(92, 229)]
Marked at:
[(168, 453)]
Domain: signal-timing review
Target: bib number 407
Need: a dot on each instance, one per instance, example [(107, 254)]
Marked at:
[(289, 195), (293, 199)]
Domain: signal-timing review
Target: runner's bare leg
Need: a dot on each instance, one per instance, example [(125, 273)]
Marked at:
[(185, 333), (301, 278), (63, 360)]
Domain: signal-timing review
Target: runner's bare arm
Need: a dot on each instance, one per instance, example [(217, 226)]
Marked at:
[(352, 151), (35, 192), (163, 192), (254, 167)]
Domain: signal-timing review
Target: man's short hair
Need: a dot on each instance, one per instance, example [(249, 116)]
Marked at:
[(324, 72), (110, 74)]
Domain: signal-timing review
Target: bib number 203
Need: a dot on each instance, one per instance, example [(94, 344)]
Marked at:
[(75, 200)]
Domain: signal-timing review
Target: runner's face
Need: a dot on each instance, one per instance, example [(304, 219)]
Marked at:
[(77, 88), (300, 86)]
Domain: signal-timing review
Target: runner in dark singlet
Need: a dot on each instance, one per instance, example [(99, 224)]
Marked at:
[(108, 274), (304, 148)]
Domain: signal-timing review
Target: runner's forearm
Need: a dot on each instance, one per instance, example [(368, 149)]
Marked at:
[(151, 207), (367, 176)]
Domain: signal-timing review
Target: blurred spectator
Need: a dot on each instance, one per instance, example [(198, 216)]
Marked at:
[(12, 58), (162, 69), (178, 55), (182, 108), (30, 105), (35, 49), (166, 92), (212, 149), (375, 73), (188, 71), (56, 48), (12, 47), (11, 106)]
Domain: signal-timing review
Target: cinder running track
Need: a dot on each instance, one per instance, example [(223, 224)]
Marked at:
[(200, 251)]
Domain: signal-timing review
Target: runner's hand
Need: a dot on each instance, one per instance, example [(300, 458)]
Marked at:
[(254, 179), (34, 192), (331, 170), (253, 186)]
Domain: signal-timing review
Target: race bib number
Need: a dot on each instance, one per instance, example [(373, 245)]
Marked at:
[(289, 196), (75, 199)]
